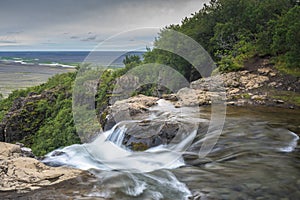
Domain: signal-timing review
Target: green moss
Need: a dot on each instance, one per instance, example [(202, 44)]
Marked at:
[(245, 96), (139, 146)]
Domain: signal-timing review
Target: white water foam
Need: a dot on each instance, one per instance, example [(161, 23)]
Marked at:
[(291, 143)]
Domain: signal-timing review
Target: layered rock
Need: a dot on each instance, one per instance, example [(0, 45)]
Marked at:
[(25, 173)]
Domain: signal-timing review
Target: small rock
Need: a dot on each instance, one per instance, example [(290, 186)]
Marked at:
[(231, 103), (234, 91), (170, 97), (177, 105), (241, 102), (278, 101), (258, 97), (264, 71), (20, 144), (27, 152), (272, 84)]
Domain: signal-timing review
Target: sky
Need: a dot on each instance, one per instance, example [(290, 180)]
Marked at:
[(75, 25)]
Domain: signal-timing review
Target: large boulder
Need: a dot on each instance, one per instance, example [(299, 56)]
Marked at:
[(148, 133), (25, 173), (127, 109), (146, 122)]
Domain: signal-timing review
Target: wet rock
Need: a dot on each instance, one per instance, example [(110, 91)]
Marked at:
[(127, 109), (24, 173), (147, 134)]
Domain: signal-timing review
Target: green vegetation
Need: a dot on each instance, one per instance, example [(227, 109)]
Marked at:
[(46, 117), (233, 31), (287, 96)]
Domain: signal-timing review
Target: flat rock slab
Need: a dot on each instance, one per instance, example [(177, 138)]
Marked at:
[(24, 173)]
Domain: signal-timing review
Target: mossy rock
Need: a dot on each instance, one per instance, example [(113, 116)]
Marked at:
[(139, 146)]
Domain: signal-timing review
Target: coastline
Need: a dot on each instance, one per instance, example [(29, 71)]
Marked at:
[(15, 76)]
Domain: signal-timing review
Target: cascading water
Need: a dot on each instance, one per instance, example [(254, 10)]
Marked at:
[(138, 169), (252, 154)]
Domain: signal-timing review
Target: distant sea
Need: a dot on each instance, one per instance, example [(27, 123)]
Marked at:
[(66, 58), (19, 70)]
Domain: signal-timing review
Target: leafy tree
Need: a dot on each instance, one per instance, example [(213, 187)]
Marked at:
[(232, 31), (286, 39)]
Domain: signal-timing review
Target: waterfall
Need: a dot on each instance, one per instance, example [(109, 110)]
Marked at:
[(117, 135), (143, 174)]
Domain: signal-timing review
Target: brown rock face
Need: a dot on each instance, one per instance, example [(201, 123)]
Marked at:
[(24, 173)]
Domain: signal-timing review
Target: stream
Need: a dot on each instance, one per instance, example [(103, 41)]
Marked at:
[(255, 157)]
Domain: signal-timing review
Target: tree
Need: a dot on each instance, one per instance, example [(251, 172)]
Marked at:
[(286, 39)]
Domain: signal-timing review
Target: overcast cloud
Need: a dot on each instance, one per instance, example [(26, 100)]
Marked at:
[(81, 25)]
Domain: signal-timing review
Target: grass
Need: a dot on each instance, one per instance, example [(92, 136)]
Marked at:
[(281, 66), (287, 96)]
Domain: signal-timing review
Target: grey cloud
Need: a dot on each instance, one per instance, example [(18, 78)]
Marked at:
[(36, 13), (8, 41), (91, 38), (58, 19), (14, 32)]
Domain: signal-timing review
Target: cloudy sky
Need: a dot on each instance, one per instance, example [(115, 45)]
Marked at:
[(82, 25)]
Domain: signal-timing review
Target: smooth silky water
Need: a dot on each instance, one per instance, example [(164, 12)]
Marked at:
[(256, 157)]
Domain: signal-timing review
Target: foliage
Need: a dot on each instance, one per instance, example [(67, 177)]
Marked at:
[(48, 118), (286, 39), (233, 31), (57, 131)]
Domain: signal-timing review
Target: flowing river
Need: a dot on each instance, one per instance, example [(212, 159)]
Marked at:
[(255, 157)]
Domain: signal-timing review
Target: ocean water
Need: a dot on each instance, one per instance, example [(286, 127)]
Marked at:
[(19, 70), (65, 58)]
